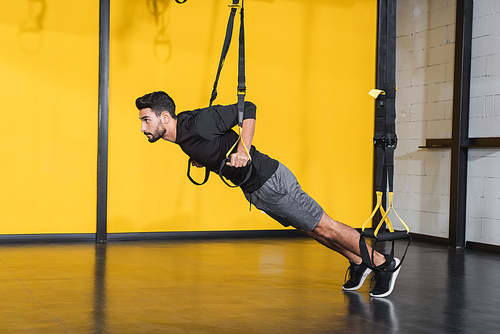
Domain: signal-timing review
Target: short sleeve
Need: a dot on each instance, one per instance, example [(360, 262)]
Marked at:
[(217, 120)]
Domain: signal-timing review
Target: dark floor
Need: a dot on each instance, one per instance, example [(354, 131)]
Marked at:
[(238, 286)]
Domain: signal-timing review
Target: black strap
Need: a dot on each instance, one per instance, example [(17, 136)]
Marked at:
[(242, 89), (207, 174), (241, 60), (366, 257), (225, 49)]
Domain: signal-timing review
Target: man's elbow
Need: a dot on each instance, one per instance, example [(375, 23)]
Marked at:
[(250, 110)]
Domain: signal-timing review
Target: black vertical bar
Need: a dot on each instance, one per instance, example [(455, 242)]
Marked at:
[(385, 105), (102, 150), (460, 124)]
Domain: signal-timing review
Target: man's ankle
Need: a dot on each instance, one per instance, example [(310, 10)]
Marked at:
[(381, 261)]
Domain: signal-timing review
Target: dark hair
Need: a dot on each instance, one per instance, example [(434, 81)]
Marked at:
[(158, 102)]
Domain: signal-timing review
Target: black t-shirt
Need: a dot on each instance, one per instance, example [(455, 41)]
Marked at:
[(206, 136)]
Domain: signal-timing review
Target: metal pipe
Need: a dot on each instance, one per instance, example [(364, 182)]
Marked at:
[(102, 150), (460, 125)]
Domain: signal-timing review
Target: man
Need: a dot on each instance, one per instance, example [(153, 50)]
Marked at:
[(206, 135)]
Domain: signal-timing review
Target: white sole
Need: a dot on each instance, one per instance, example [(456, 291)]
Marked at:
[(391, 284), (363, 278)]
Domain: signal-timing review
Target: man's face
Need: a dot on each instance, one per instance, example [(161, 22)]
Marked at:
[(151, 126)]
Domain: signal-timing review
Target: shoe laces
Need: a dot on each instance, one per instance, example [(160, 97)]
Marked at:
[(380, 278), (349, 270)]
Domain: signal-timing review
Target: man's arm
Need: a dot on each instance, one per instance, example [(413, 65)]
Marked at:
[(240, 158)]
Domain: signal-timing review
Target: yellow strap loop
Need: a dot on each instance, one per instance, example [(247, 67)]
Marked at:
[(386, 219), (236, 143), (384, 214), (391, 195), (379, 204)]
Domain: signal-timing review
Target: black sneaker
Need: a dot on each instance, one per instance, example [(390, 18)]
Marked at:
[(357, 275), (385, 280)]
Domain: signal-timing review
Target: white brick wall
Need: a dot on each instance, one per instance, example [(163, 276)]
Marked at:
[(485, 84), (483, 195), (425, 54)]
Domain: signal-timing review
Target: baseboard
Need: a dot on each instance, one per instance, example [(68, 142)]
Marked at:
[(482, 247), (200, 235), (430, 239), (38, 238), (90, 237), (469, 245)]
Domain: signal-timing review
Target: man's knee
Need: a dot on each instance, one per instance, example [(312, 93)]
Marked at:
[(301, 230)]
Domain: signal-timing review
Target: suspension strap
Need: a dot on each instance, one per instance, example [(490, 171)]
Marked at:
[(385, 139), (241, 88), (225, 48)]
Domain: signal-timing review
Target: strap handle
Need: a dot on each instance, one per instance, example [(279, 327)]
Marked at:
[(223, 164), (207, 174), (366, 258), (228, 159)]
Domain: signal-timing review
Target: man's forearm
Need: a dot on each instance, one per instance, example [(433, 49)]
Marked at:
[(247, 131), (241, 158)]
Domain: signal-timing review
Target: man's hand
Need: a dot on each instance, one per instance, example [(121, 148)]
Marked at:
[(195, 164), (238, 159)]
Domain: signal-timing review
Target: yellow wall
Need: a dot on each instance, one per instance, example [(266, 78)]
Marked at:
[(48, 136), (310, 65)]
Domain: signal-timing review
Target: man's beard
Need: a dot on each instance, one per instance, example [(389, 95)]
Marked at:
[(158, 133)]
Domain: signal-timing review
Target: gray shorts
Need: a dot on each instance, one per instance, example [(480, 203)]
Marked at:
[(282, 198)]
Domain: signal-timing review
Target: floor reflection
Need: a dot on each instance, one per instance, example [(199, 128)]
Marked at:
[(99, 309), (378, 314), (237, 286)]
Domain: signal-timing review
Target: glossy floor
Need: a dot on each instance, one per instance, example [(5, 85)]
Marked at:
[(238, 286)]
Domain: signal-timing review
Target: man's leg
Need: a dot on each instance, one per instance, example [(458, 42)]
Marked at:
[(345, 240), (333, 246), (342, 239), (282, 198)]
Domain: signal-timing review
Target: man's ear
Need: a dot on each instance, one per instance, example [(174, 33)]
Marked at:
[(165, 117)]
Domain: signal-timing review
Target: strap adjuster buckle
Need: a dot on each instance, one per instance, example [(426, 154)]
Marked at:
[(391, 142), (385, 142), (379, 142)]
